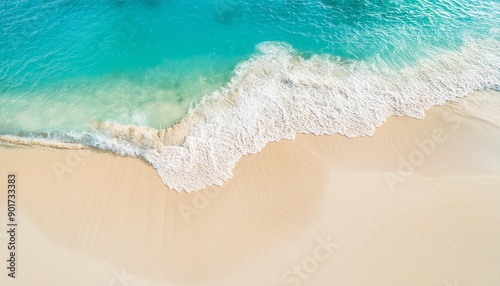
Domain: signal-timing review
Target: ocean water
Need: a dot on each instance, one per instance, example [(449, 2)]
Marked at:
[(191, 86)]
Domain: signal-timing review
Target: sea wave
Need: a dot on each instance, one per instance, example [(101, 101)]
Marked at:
[(277, 94)]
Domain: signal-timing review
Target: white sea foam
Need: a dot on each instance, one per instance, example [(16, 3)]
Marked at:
[(277, 94)]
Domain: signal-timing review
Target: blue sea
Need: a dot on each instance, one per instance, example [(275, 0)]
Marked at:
[(193, 85)]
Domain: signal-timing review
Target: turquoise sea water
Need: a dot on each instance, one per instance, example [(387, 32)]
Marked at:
[(111, 73)]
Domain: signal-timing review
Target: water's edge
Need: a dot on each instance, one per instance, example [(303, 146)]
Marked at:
[(278, 94)]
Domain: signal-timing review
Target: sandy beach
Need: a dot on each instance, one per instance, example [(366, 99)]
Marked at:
[(415, 204)]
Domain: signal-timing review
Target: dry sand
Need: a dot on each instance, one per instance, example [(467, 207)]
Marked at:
[(415, 204)]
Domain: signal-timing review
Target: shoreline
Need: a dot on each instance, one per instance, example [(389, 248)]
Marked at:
[(14, 141), (369, 210)]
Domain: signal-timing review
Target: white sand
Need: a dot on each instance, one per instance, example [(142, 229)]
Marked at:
[(314, 211)]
